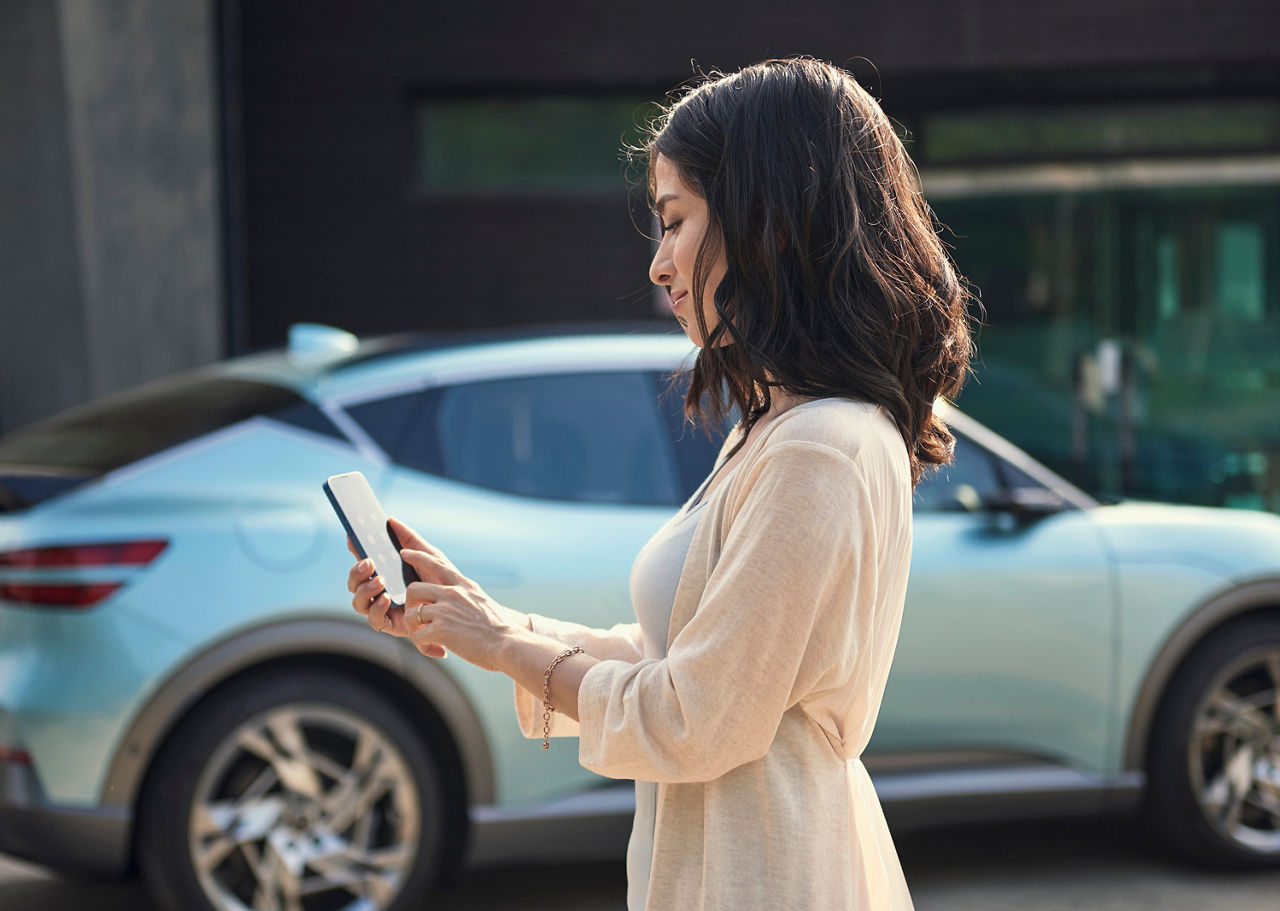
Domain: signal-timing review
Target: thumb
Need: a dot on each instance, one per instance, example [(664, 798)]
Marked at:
[(406, 536)]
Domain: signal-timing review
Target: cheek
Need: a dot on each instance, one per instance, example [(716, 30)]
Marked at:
[(686, 262), (684, 254)]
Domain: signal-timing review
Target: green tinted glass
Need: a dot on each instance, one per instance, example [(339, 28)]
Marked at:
[(1029, 133), (545, 143), (1133, 337)]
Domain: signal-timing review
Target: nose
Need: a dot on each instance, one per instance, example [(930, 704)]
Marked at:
[(662, 268)]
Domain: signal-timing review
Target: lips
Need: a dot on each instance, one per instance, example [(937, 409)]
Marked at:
[(677, 298)]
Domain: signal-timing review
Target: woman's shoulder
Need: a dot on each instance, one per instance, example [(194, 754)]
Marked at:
[(860, 430), (841, 424)]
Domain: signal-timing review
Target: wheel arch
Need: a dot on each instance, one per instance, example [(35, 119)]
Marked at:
[(1251, 599), (451, 725)]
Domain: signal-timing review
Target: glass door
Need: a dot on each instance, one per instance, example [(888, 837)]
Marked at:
[(1132, 338)]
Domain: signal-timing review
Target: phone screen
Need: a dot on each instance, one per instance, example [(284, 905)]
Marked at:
[(366, 524)]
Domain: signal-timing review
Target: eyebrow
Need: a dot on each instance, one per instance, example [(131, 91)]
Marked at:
[(662, 202)]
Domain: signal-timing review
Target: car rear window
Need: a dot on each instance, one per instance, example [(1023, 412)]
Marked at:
[(123, 428)]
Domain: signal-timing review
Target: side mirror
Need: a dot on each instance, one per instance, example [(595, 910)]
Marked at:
[(1026, 504)]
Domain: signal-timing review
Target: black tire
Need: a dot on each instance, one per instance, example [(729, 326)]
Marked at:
[(1194, 738), (190, 769)]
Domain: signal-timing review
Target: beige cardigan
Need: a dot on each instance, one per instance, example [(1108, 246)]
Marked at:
[(782, 633)]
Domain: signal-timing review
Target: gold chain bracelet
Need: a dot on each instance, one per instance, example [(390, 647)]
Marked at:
[(546, 695)]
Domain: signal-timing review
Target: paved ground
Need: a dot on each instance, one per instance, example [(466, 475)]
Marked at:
[(1049, 867)]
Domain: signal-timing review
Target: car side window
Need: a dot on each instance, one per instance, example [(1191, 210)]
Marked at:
[(971, 480), (584, 437), (695, 448), (402, 426)]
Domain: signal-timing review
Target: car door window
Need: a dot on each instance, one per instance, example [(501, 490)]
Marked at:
[(402, 426), (971, 480), (584, 437), (695, 448)]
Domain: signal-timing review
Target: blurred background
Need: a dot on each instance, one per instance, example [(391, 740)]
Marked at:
[(180, 181), (183, 180)]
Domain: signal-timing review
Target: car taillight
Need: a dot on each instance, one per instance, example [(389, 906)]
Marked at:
[(57, 589), (126, 553), (13, 754)]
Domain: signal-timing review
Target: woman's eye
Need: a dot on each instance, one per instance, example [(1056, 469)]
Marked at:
[(670, 227)]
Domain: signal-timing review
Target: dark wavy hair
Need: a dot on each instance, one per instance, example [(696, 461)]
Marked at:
[(837, 281)]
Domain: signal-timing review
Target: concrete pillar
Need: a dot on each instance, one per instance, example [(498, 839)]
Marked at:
[(110, 259)]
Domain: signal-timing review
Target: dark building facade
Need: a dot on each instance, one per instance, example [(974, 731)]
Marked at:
[(338, 218), (1108, 172), (182, 181)]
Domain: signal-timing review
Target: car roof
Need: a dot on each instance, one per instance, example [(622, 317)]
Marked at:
[(391, 364), (379, 364)]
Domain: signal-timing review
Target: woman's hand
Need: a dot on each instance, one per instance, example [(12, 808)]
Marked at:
[(369, 597), (444, 611)]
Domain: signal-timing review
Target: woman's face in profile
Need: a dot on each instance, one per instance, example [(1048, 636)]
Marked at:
[(684, 218)]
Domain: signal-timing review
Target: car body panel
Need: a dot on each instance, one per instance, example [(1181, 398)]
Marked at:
[(1227, 605), (1235, 544), (1156, 595), (1168, 575), (69, 722), (1006, 640)]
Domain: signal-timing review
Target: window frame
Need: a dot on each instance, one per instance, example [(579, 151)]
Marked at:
[(427, 396)]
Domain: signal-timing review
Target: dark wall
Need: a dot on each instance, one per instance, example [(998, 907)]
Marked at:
[(110, 266), (41, 307), (332, 228)]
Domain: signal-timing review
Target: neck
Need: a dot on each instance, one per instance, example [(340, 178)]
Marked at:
[(780, 401)]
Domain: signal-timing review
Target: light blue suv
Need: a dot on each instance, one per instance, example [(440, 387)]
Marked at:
[(185, 689)]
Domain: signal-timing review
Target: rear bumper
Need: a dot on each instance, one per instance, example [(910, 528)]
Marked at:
[(82, 840)]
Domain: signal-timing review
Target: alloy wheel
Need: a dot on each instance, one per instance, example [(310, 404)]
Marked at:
[(1233, 753), (305, 807)]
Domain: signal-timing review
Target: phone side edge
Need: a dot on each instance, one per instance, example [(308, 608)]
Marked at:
[(342, 517)]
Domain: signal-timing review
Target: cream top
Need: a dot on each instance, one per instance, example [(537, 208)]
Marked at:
[(781, 636), (654, 578)]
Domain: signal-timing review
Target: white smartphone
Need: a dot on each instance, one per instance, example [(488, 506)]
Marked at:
[(366, 524)]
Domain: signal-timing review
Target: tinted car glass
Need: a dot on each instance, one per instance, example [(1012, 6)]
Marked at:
[(964, 485), (694, 447), (404, 426), (307, 416), (131, 425), (1017, 478), (587, 437)]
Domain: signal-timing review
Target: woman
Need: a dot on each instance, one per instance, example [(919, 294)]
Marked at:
[(801, 258)]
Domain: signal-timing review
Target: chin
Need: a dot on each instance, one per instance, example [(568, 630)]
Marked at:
[(690, 333), (695, 338)]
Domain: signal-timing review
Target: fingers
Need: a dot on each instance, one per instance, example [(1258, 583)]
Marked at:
[(417, 613), (370, 596), (426, 559), (406, 535), (377, 613), (361, 572), (418, 593), (414, 541), (431, 567), (422, 640), (418, 624)]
